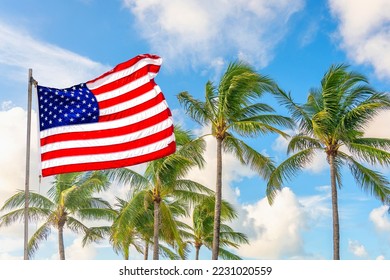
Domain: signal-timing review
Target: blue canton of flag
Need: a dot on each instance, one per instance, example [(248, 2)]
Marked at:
[(69, 106)]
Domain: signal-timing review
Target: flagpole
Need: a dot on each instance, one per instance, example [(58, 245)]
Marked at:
[(31, 81)]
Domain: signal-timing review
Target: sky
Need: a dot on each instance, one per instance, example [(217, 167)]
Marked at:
[(292, 41)]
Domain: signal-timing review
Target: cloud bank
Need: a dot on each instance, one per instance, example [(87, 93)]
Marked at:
[(52, 65), (364, 30), (202, 31)]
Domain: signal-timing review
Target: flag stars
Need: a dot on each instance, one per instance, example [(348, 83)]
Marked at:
[(58, 107)]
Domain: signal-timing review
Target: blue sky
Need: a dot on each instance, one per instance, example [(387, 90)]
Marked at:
[(294, 42)]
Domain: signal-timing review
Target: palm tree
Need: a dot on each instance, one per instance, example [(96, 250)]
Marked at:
[(121, 236), (333, 121), (232, 110), (70, 196), (202, 221), (164, 185), (132, 226)]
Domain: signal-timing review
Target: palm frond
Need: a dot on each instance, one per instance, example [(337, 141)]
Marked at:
[(132, 212), (358, 117), (190, 147), (227, 255), (167, 253), (211, 97), (192, 186), (380, 143), (93, 181), (196, 109), (128, 177), (170, 232), (76, 225), (253, 127), (95, 234), (252, 110), (286, 170), (35, 200), (370, 154), (34, 214), (298, 113), (42, 233), (232, 238), (301, 142), (97, 214), (261, 164), (371, 181)]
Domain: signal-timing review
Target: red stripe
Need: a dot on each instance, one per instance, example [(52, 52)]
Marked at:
[(110, 164), (141, 142), (125, 65), (126, 96), (127, 79), (107, 132), (133, 110)]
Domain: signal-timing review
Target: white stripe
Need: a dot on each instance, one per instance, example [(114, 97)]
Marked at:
[(120, 74), (131, 103), (150, 112), (108, 141), (123, 89), (111, 156)]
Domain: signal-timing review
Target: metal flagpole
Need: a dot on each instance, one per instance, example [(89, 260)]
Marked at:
[(31, 81)]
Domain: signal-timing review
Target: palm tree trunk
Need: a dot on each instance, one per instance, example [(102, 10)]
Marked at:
[(61, 248), (197, 249), (146, 250), (218, 199), (335, 211), (126, 254), (156, 228)]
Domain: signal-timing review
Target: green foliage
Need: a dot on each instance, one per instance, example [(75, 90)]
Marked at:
[(164, 186), (71, 201), (203, 224), (334, 116), (333, 120), (232, 109)]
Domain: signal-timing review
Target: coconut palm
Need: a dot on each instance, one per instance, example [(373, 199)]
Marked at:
[(164, 184), (71, 197), (133, 226), (122, 238), (233, 110), (202, 228), (333, 121)]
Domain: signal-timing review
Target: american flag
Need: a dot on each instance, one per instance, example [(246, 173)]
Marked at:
[(118, 119)]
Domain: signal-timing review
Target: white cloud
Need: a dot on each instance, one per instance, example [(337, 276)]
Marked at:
[(277, 228), (77, 252), (202, 31), (357, 249), (380, 217), (364, 29), (9, 246), (20, 51), (317, 207), (380, 257), (379, 126), (13, 152), (309, 34)]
